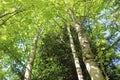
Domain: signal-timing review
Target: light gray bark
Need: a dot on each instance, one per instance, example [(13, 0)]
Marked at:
[(75, 57), (87, 54), (29, 66)]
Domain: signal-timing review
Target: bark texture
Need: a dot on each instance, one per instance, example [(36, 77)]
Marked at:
[(29, 66), (75, 57), (88, 56)]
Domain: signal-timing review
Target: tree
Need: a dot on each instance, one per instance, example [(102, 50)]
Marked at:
[(94, 31), (87, 54), (75, 56), (31, 59)]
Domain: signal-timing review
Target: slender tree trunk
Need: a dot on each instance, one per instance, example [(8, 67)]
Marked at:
[(29, 66), (87, 54), (75, 57)]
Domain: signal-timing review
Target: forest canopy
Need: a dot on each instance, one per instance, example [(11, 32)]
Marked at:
[(59, 40)]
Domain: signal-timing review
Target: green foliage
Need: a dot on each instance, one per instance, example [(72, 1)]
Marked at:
[(23, 19)]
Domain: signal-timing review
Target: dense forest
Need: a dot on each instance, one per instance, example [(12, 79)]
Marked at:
[(59, 39)]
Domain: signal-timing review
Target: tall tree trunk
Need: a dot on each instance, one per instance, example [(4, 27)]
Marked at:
[(88, 56), (29, 66), (75, 57)]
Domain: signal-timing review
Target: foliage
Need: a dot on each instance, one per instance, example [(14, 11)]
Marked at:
[(21, 19)]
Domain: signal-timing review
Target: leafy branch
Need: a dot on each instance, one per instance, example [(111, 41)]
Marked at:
[(11, 15)]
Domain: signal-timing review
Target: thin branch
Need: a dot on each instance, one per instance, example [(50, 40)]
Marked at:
[(13, 13), (5, 20), (3, 15)]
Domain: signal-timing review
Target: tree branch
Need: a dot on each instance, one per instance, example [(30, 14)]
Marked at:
[(15, 11), (5, 14), (12, 14)]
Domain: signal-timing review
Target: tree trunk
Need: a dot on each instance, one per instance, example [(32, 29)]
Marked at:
[(88, 56), (75, 57), (29, 66)]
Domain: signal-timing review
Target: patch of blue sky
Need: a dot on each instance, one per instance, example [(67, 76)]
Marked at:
[(117, 34), (107, 34)]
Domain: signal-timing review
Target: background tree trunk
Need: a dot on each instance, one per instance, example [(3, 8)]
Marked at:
[(75, 57), (88, 56), (29, 66)]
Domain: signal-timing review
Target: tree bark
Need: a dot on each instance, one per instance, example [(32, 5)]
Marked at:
[(75, 57), (88, 56), (29, 66)]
